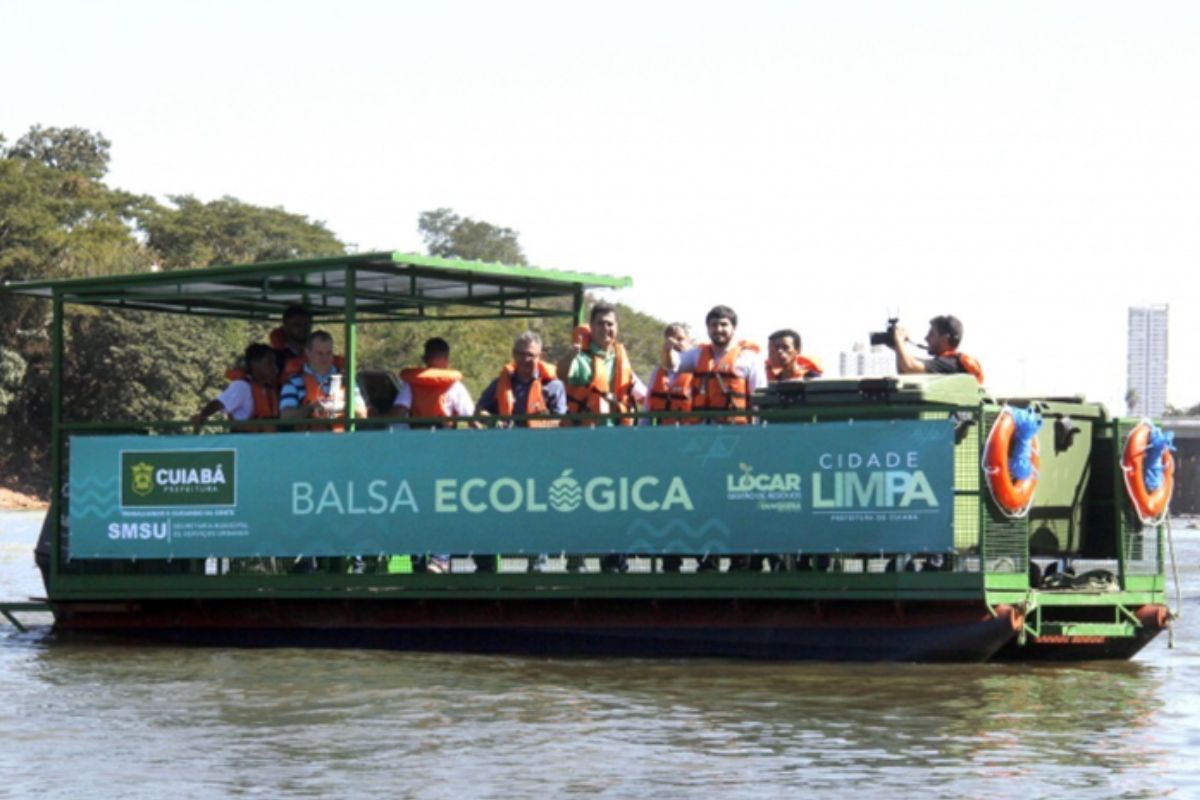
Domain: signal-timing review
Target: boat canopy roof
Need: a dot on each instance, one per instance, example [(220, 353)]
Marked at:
[(381, 286)]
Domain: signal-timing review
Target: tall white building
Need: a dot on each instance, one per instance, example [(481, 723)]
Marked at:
[(1146, 365), (863, 361)]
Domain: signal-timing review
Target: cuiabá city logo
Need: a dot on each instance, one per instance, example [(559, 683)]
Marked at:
[(178, 478), (143, 478)]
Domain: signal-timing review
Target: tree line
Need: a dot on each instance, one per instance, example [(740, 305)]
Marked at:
[(60, 219)]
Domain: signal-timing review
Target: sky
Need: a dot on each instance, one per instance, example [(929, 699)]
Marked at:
[(1033, 168)]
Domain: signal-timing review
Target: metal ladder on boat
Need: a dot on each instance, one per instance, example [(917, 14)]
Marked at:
[(11, 609)]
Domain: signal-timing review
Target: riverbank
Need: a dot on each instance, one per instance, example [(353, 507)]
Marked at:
[(16, 500)]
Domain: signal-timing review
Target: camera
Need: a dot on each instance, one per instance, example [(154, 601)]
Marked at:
[(887, 337)]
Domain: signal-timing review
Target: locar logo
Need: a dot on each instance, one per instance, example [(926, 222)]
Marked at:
[(750, 485), (161, 478)]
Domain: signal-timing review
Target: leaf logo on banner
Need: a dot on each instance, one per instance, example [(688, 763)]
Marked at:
[(565, 493)]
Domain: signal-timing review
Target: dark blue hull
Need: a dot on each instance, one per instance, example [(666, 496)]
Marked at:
[(774, 630)]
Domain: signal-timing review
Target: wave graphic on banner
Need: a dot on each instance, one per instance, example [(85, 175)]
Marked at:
[(677, 536), (93, 497), (566, 493)]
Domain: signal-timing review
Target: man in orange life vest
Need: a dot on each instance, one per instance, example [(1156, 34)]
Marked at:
[(784, 362), (526, 386), (254, 395), (945, 332), (310, 393), (599, 377), (724, 374), (677, 339), (434, 390)]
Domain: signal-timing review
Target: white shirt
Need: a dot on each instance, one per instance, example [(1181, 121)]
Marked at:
[(748, 363), (238, 401)]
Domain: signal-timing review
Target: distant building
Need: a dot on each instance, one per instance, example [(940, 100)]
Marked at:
[(1146, 365), (863, 361)]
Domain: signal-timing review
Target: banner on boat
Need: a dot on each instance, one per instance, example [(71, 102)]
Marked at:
[(862, 487)]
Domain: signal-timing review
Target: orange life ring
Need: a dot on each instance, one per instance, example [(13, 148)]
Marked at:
[(1150, 505), (1013, 496)]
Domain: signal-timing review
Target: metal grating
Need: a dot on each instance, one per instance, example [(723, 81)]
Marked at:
[(966, 492), (1005, 540), (1141, 544)]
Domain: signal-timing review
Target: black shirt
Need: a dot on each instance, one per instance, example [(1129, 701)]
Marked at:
[(944, 365)]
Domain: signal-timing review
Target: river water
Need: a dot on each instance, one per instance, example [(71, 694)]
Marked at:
[(94, 720)]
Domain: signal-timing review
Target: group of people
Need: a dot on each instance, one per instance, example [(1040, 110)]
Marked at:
[(298, 376)]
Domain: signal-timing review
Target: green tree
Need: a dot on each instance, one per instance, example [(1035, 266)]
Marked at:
[(58, 219), (228, 231), (162, 366), (59, 224), (479, 348), (449, 235), (12, 375), (76, 150)]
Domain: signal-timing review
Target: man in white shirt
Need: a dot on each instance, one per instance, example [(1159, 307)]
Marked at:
[(427, 393), (434, 390), (252, 395)]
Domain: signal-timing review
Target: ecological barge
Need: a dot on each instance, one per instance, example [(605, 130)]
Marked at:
[(852, 521)]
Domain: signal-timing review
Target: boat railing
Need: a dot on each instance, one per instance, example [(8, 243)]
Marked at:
[(982, 545), (986, 544)]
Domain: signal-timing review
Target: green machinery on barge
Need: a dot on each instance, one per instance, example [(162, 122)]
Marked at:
[(867, 496)]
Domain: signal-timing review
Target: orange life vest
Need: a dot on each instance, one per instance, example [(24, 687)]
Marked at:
[(802, 368), (719, 385), (617, 395), (672, 392), (535, 402), (966, 364), (313, 394), (429, 387), (660, 390), (266, 406)]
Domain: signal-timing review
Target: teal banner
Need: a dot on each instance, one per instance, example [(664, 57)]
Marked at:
[(862, 487)]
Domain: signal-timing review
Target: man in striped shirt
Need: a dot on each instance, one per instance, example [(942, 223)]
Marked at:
[(311, 393)]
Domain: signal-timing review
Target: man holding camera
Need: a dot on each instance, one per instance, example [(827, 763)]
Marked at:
[(945, 332)]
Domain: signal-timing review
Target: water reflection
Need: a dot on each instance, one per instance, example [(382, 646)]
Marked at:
[(591, 725), (166, 721)]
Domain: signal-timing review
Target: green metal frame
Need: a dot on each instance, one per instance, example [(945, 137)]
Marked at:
[(401, 286)]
